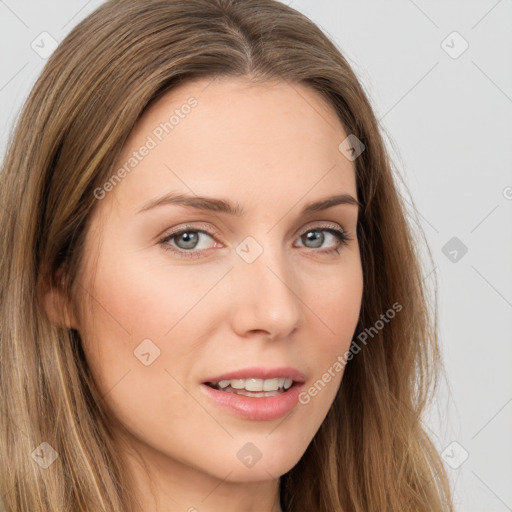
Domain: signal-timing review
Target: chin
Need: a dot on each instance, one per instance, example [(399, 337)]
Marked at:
[(262, 460)]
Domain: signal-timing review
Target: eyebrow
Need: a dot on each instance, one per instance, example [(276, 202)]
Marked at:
[(224, 206)]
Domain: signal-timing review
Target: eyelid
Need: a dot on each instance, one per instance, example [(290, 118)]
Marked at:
[(318, 224), (206, 228)]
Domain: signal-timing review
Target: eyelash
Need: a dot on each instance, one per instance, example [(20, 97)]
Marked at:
[(341, 235)]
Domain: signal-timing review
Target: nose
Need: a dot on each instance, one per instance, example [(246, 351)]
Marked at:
[(265, 298)]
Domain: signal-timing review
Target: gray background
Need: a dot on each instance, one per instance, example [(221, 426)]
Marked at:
[(448, 120)]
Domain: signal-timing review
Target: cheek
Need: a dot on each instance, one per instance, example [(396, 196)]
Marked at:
[(334, 314), (132, 307), (135, 298), (137, 329), (337, 303), (146, 311)]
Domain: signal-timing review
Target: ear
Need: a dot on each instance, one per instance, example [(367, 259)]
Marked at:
[(58, 306)]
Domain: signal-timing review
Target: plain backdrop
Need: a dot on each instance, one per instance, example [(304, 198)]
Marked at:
[(439, 75)]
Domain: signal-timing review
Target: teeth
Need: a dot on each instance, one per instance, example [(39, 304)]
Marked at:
[(269, 385), (256, 385), (238, 383), (256, 394)]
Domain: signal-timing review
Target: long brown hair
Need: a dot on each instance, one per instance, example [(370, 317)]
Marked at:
[(372, 452)]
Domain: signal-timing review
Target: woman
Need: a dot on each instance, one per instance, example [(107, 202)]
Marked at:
[(211, 297)]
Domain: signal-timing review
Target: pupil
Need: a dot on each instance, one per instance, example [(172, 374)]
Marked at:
[(315, 236), (189, 239)]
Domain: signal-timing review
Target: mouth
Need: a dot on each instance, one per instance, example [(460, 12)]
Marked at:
[(254, 387), (257, 393)]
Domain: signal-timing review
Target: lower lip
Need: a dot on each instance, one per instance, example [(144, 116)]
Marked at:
[(256, 408)]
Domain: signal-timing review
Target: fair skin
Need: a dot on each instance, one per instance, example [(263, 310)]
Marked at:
[(272, 149)]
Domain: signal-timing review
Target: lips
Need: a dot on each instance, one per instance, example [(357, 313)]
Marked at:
[(256, 405)]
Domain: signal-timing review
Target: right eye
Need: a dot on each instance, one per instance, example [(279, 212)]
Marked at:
[(186, 241)]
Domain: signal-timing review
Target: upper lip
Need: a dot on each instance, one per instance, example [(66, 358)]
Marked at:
[(261, 373)]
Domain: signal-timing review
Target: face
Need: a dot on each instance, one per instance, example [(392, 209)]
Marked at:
[(261, 295)]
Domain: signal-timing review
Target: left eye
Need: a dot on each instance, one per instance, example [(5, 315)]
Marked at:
[(317, 238), (188, 239)]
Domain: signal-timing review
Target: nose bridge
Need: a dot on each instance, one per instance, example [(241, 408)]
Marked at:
[(266, 297)]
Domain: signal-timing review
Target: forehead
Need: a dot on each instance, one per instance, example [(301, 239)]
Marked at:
[(256, 138)]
